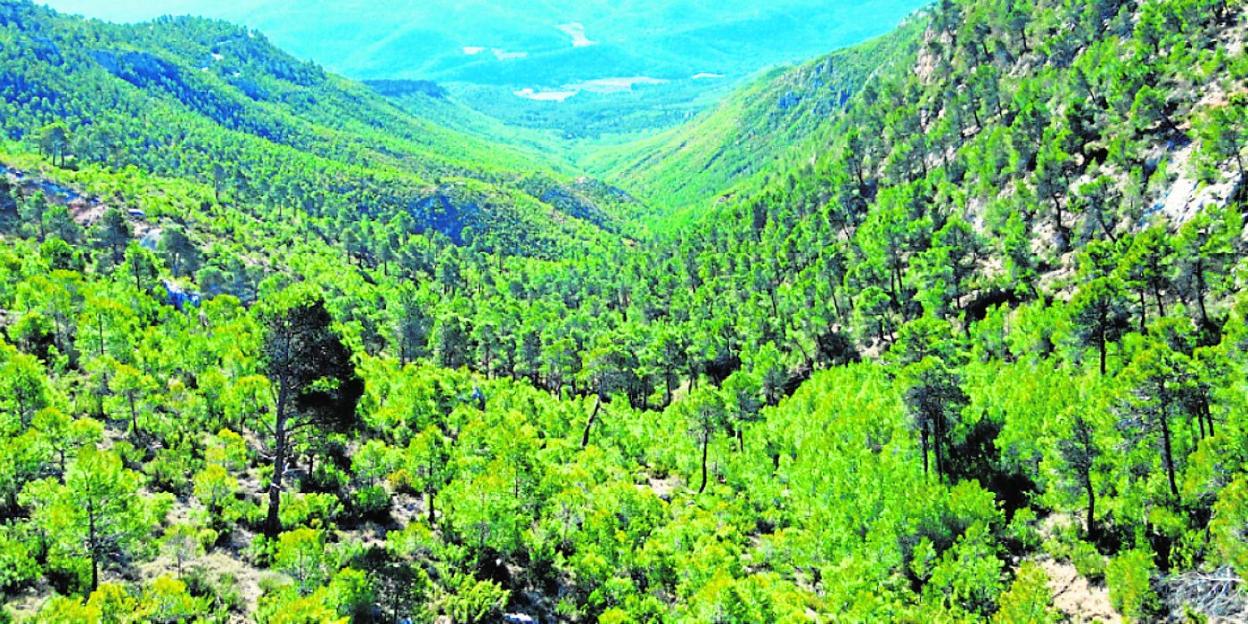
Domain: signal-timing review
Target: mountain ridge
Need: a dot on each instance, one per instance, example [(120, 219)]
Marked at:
[(228, 77), (488, 50), (761, 128)]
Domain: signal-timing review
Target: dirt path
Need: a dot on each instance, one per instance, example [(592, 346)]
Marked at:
[(1074, 596)]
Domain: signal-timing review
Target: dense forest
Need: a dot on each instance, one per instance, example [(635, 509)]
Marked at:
[(932, 329)]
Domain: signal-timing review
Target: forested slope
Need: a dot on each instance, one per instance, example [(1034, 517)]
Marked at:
[(775, 123), (214, 103), (997, 325)]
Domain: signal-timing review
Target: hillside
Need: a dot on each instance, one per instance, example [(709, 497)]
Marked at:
[(777, 121), (958, 332), (207, 93), (487, 51), (432, 102)]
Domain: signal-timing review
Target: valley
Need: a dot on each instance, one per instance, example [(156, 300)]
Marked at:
[(791, 313), (485, 52)]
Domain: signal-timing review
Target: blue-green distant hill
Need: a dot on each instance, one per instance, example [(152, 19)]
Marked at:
[(585, 66)]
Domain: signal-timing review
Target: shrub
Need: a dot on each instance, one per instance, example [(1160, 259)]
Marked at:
[(1022, 529), (170, 470), (371, 501), (1028, 599), (1130, 585), (301, 555), (1087, 561), (283, 605), (113, 602), (310, 510), (222, 590), (471, 601), (353, 593), (18, 556), (64, 610), (1230, 515), (167, 600), (215, 488)]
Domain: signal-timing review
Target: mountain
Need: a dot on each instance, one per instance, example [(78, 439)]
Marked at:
[(770, 126), (562, 42), (180, 96), (489, 52), (949, 326)]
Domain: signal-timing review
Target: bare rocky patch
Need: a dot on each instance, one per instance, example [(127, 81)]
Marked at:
[(1073, 595)]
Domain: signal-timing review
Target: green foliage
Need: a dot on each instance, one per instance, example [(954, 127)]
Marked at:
[(1087, 561), (215, 488), (1220, 131), (68, 610), (183, 542), (94, 517), (286, 606), (313, 510), (1028, 599), (1227, 526), (1129, 577), (473, 601), (301, 555), (166, 600), (18, 556), (353, 593), (462, 381)]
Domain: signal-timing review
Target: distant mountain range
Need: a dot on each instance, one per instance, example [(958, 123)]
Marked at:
[(548, 51), (535, 44)]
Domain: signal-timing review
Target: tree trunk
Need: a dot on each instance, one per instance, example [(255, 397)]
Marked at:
[(134, 415), (706, 442), (1167, 451), (100, 328), (897, 289), (1062, 234), (1109, 232), (668, 382), (429, 496), (1208, 416), (589, 424), (1200, 292), (92, 542), (273, 525), (1090, 522), (1100, 340), (924, 443)]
